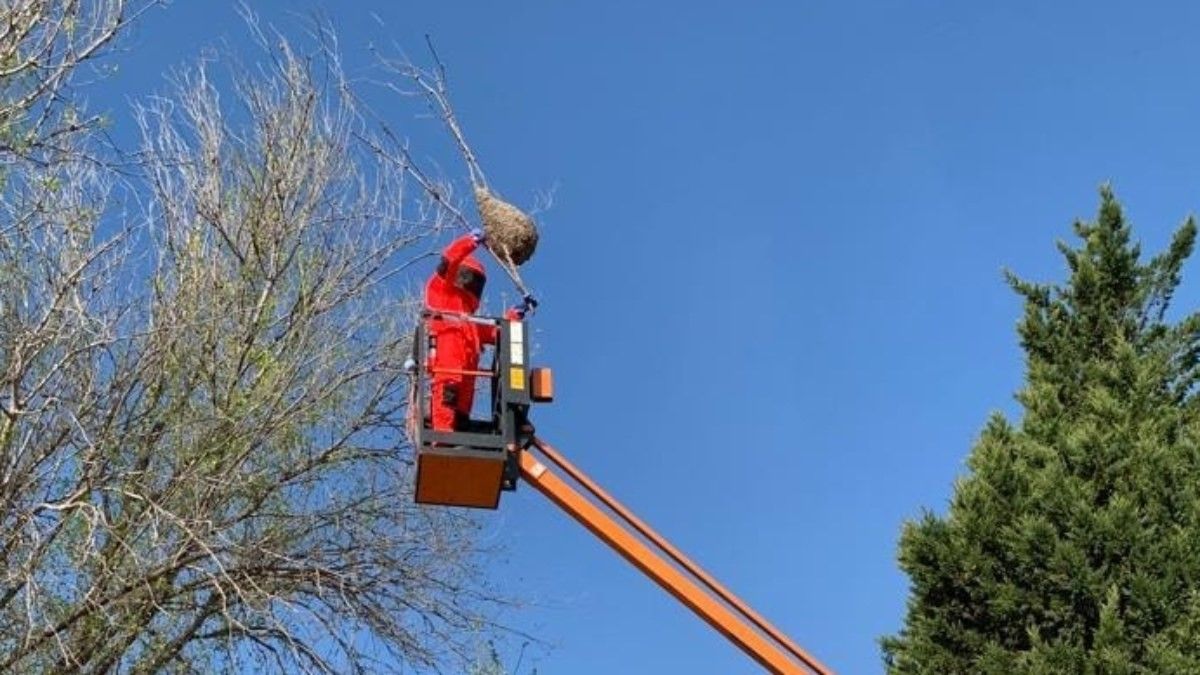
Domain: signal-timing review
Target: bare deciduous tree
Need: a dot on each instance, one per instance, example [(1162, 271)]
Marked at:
[(43, 46), (201, 403)]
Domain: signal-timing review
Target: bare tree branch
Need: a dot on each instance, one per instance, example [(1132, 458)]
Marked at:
[(202, 405)]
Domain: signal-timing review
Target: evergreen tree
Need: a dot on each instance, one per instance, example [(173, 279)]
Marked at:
[(1073, 543)]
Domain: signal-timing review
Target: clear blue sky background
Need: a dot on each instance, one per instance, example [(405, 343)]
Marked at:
[(772, 274)]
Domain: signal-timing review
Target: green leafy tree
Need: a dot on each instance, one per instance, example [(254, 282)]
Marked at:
[(1073, 543)]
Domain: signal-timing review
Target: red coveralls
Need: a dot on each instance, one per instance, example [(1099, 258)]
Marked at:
[(455, 288)]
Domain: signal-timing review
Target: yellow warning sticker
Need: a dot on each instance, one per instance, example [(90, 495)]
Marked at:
[(516, 378)]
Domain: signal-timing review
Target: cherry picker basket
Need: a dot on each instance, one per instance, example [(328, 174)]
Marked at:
[(471, 465)]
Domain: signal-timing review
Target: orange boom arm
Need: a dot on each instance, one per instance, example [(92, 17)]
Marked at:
[(690, 584)]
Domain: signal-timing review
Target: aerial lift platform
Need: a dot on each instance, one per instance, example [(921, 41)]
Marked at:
[(471, 467)]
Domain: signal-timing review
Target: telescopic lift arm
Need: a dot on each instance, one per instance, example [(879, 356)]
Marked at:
[(665, 564), (472, 466)]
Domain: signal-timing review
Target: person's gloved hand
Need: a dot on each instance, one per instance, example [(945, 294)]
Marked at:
[(409, 365), (478, 235), (528, 304)]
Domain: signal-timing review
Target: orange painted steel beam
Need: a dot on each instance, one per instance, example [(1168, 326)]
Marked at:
[(756, 645), (682, 560)]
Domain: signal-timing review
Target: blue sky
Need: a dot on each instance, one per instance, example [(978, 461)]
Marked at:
[(771, 278)]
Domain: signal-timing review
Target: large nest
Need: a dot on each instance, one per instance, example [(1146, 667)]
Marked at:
[(510, 233)]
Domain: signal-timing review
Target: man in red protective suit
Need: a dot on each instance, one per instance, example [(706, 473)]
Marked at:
[(455, 290)]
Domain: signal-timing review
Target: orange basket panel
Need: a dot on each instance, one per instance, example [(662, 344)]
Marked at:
[(459, 477)]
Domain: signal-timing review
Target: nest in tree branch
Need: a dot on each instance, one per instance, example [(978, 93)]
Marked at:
[(510, 233)]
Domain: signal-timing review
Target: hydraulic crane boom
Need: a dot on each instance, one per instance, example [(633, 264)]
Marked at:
[(690, 584), (472, 464)]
